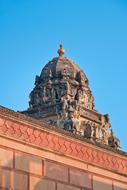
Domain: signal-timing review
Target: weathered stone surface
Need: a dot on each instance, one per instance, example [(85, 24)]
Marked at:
[(101, 183), (5, 178), (56, 171), (19, 181), (6, 158), (61, 186), (28, 163), (119, 186), (13, 180), (80, 178), (41, 184), (62, 97)]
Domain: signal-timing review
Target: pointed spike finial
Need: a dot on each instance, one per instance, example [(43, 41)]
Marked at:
[(61, 51)]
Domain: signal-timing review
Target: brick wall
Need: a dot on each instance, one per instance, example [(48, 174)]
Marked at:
[(23, 171), (29, 166)]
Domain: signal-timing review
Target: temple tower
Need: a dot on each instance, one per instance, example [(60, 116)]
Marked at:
[(62, 97)]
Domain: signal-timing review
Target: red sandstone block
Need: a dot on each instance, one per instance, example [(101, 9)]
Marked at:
[(56, 171), (101, 183), (6, 158), (19, 181), (13, 180), (119, 185), (80, 178), (5, 178), (61, 186), (41, 184), (28, 163)]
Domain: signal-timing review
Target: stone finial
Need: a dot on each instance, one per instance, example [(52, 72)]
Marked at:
[(61, 51)]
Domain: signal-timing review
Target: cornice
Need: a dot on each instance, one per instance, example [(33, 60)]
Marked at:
[(27, 130)]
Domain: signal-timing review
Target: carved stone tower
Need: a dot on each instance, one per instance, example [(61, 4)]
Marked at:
[(62, 97)]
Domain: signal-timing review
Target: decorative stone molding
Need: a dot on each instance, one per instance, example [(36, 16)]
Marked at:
[(30, 132)]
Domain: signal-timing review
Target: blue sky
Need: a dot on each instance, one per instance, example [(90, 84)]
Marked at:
[(94, 34)]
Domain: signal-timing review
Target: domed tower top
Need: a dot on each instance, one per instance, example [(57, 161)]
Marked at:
[(61, 78), (62, 97)]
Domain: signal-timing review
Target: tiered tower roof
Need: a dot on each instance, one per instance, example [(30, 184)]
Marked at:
[(62, 97)]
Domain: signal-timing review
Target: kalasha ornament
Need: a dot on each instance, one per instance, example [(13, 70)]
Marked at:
[(61, 51)]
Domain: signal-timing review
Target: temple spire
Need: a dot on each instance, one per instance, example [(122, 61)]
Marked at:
[(62, 97)]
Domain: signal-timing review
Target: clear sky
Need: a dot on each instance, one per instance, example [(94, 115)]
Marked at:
[(94, 34)]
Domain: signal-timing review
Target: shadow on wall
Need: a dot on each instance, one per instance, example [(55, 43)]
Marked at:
[(15, 175), (25, 172)]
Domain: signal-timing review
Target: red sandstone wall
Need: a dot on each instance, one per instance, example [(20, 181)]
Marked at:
[(33, 165), (22, 171)]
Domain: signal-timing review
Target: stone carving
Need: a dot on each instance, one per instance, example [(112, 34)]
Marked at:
[(82, 79), (62, 93), (69, 125), (65, 74), (34, 99), (98, 133), (113, 141), (89, 131)]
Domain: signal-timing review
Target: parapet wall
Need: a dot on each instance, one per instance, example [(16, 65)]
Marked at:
[(34, 156)]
